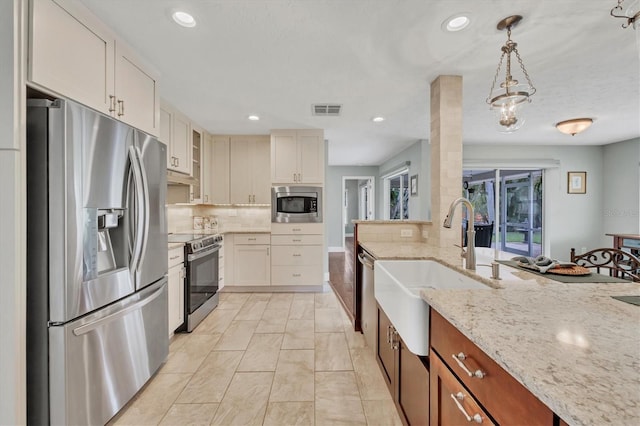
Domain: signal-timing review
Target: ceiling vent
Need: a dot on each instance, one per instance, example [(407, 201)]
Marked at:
[(327, 110)]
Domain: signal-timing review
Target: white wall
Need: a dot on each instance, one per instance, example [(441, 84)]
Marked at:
[(352, 203), (621, 201), (570, 220), (333, 198), (12, 226)]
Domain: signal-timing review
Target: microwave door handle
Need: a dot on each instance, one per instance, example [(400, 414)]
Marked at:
[(138, 211)]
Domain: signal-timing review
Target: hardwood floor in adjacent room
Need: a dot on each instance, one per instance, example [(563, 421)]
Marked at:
[(341, 275)]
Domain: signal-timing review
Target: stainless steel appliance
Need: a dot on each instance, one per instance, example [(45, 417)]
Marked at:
[(97, 255), (297, 204), (201, 258)]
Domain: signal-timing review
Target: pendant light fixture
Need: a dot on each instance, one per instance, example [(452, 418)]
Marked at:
[(509, 102), (632, 14)]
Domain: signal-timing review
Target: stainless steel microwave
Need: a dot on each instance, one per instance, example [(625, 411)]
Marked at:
[(297, 204)]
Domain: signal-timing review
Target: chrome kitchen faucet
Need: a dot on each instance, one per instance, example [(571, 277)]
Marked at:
[(470, 253)]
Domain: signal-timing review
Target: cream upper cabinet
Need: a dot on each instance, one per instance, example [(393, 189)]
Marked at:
[(198, 166), (249, 175), (219, 183), (297, 156), (176, 133), (73, 54), (136, 91), (206, 180)]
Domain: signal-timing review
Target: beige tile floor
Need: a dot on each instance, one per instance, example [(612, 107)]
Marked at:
[(267, 359)]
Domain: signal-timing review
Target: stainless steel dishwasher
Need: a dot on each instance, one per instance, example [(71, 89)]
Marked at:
[(369, 310)]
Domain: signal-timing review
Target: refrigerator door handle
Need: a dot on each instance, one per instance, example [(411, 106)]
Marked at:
[(145, 205), (86, 328), (140, 211)]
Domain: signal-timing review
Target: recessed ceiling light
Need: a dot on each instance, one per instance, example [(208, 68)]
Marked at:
[(183, 19), (253, 118), (457, 22), (377, 119)]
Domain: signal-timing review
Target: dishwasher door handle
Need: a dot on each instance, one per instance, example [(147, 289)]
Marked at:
[(366, 260)]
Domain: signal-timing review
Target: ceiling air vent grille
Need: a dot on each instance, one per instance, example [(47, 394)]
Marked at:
[(330, 110)]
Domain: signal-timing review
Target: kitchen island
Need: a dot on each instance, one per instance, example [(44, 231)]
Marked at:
[(571, 345)]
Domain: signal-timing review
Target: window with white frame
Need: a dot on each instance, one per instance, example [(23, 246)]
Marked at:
[(396, 194)]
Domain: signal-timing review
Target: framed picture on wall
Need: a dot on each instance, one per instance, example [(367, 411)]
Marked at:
[(414, 184), (577, 182)]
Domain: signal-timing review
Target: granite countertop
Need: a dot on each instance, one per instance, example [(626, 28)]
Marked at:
[(391, 222), (572, 345)]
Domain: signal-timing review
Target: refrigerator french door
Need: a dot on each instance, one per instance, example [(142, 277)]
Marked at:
[(97, 263)]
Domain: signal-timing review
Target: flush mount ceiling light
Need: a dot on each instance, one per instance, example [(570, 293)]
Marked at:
[(508, 103), (377, 119), (574, 126), (253, 118), (456, 22), (632, 14), (183, 19)]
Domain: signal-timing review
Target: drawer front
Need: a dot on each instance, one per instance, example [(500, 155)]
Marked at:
[(176, 256), (252, 239), (297, 228), (508, 401), (296, 255), (306, 239), (451, 403), (296, 275)]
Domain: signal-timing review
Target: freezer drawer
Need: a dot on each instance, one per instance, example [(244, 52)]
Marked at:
[(100, 361)]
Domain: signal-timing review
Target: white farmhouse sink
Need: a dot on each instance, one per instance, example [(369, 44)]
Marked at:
[(397, 285)]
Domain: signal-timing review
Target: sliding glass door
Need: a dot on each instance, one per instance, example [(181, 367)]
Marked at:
[(517, 220)]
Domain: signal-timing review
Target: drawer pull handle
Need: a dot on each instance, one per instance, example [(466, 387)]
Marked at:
[(296, 275), (296, 229), (461, 357), (459, 397), (296, 255), (174, 257)]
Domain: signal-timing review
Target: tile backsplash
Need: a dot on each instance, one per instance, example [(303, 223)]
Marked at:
[(180, 217)]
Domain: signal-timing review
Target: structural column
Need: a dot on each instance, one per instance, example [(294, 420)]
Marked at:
[(446, 157)]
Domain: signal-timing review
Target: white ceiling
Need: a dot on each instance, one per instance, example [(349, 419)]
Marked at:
[(275, 58)]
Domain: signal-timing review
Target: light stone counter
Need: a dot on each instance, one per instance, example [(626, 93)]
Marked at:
[(571, 345), (175, 245)]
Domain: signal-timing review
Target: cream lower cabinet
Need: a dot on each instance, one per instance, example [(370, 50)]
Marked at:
[(72, 53), (297, 254), (251, 260), (176, 288)]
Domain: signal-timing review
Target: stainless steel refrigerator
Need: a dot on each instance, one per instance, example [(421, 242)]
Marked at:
[(97, 325)]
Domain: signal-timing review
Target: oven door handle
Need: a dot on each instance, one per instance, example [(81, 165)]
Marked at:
[(202, 254)]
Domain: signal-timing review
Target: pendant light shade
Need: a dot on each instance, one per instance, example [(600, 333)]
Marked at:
[(508, 102)]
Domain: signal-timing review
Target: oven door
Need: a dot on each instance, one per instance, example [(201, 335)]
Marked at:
[(202, 278)]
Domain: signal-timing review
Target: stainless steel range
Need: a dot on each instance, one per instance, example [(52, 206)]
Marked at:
[(201, 284)]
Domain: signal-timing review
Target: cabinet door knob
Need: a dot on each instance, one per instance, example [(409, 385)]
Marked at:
[(120, 107), (461, 357), (112, 103)]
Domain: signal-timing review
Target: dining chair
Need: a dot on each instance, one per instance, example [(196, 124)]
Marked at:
[(618, 263)]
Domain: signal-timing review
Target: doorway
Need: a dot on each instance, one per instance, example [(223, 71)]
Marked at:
[(357, 203)]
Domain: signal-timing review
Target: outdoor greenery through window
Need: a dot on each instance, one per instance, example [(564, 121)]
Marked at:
[(397, 195), (520, 207)]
